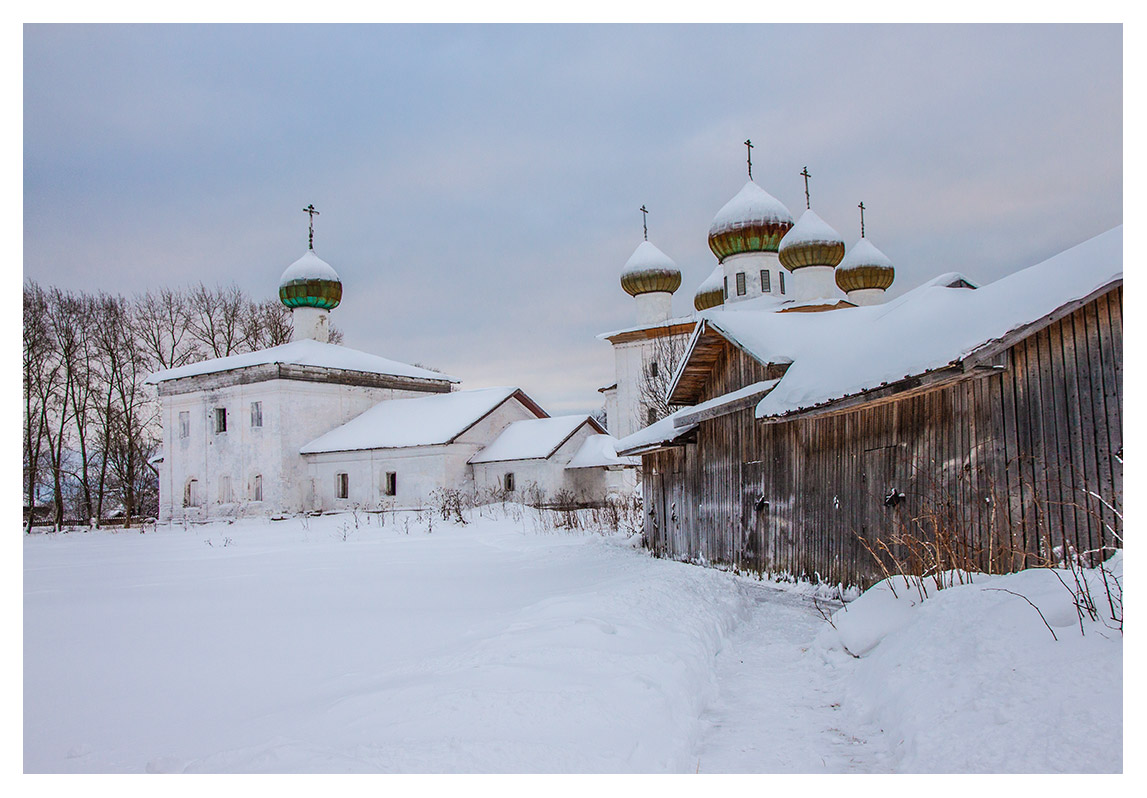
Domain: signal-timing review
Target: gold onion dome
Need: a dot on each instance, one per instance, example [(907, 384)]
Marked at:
[(310, 282), (864, 266), (711, 294), (649, 270), (810, 242), (752, 221)]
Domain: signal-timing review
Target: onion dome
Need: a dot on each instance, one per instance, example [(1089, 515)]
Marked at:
[(810, 242), (712, 291), (310, 282), (752, 221), (864, 266), (648, 270)]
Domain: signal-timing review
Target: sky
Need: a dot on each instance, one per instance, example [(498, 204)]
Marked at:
[(479, 186)]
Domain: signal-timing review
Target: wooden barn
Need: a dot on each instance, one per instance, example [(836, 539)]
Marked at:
[(950, 426)]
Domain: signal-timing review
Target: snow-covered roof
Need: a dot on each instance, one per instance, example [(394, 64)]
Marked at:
[(645, 258), (714, 282), (532, 439), (863, 253), (690, 319), (421, 421), (600, 451), (656, 434), (305, 352), (690, 415), (309, 267), (751, 204), (844, 352), (810, 229)]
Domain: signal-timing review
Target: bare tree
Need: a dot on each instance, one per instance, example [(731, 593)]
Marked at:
[(660, 359), (163, 326), (216, 319)]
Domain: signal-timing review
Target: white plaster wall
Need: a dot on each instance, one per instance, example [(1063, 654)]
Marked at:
[(294, 413), (549, 476), (751, 264), (629, 368), (611, 411)]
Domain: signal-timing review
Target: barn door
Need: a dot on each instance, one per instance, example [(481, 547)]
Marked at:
[(882, 495)]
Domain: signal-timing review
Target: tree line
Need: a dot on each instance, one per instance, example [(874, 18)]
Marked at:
[(90, 424)]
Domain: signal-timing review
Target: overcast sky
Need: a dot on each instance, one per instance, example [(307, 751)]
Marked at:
[(479, 186)]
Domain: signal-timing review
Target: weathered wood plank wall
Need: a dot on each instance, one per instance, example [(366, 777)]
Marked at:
[(1008, 462)]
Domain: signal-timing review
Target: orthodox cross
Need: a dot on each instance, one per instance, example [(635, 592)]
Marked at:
[(310, 210), (749, 145), (806, 177), (861, 206), (644, 226)]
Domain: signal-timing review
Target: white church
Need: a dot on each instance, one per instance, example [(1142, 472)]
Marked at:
[(313, 426)]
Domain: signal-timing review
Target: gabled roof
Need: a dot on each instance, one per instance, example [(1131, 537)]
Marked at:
[(421, 421), (304, 353), (848, 352), (533, 439), (600, 451)]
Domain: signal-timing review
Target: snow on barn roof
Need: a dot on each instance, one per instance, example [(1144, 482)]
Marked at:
[(532, 439), (600, 451), (657, 434), (421, 421), (844, 352), (303, 353)]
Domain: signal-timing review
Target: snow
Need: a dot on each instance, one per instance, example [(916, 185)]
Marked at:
[(336, 644), (810, 229), (714, 282), (685, 417), (691, 319), (647, 258), (600, 451), (535, 438), (842, 352), (863, 253), (656, 434), (309, 267), (971, 680), (751, 205), (421, 421), (304, 352)]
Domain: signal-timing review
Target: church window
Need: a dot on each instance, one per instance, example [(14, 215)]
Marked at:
[(257, 488), (508, 482), (256, 414), (725, 281), (653, 368), (190, 493), (781, 275), (184, 424), (224, 490), (390, 488), (766, 287), (650, 415), (342, 485), (220, 420), (740, 283)]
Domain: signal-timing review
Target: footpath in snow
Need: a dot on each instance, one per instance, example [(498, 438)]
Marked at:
[(506, 646)]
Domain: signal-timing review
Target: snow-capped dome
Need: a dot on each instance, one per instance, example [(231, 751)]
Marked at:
[(649, 269), (810, 242), (712, 290), (752, 221), (864, 266), (310, 282)]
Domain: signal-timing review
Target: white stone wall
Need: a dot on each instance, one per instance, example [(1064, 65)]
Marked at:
[(629, 412), (549, 476), (751, 264), (419, 470), (294, 413)]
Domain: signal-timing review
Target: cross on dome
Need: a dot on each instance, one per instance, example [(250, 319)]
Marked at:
[(644, 218), (310, 211), (806, 175)]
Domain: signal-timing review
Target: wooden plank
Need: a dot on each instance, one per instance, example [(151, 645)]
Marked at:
[(1090, 465)]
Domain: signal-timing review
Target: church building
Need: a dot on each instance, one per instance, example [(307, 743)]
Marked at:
[(314, 426)]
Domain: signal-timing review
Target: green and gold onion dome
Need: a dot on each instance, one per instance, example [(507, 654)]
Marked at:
[(864, 266), (649, 270), (711, 294), (310, 282), (752, 221), (810, 242)]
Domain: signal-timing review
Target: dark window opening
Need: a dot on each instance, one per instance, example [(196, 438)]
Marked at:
[(390, 488), (220, 420), (781, 275), (766, 286), (508, 482), (342, 486), (256, 414), (740, 283), (185, 424)]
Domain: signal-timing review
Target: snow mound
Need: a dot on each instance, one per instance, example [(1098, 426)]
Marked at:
[(751, 205), (810, 229), (309, 267), (992, 676), (647, 258)]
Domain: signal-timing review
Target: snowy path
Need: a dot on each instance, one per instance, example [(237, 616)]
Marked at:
[(778, 709)]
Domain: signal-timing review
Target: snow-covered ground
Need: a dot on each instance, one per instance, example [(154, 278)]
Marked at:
[(504, 646)]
